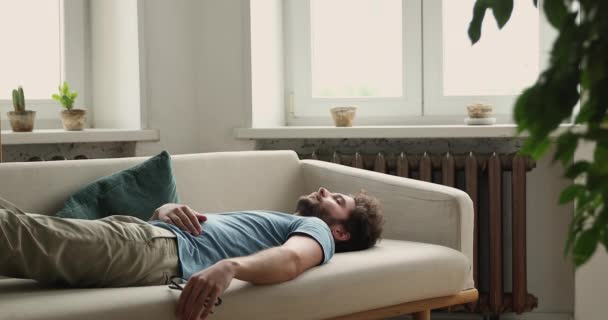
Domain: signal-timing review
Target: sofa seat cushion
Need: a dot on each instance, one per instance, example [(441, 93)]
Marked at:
[(392, 272)]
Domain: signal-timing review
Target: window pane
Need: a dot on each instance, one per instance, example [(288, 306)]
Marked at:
[(503, 62), (356, 48), (31, 47)]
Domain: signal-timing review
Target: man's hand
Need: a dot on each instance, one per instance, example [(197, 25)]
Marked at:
[(202, 290), (180, 215)]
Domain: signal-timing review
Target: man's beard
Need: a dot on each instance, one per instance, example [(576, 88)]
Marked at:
[(308, 207)]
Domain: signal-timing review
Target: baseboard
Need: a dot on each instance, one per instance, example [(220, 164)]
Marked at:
[(506, 316)]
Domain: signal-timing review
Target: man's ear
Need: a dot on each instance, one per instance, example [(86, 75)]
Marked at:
[(339, 232)]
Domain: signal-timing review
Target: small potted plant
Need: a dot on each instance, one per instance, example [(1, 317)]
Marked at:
[(21, 120), (72, 119)]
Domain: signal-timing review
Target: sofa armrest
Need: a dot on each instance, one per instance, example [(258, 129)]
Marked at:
[(414, 210)]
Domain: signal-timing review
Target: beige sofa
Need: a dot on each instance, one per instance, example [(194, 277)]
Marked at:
[(424, 262)]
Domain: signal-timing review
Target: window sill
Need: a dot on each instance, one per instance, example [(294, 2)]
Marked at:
[(419, 131), (46, 136)]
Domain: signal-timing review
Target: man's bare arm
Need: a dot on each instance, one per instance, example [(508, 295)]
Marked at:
[(279, 264), (273, 265)]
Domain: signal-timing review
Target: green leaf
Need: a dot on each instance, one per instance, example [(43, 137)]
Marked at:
[(479, 12), (573, 229), (556, 11), (64, 88), (571, 192), (535, 147), (600, 156), (599, 135), (605, 238), (585, 246), (520, 114), (583, 113), (575, 169), (566, 146), (569, 242), (56, 97), (502, 10)]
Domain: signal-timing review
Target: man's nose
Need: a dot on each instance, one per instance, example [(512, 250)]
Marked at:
[(323, 191)]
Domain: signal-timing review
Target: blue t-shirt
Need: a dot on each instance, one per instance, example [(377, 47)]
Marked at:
[(237, 234)]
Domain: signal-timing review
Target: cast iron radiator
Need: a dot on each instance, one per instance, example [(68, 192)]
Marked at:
[(482, 176)]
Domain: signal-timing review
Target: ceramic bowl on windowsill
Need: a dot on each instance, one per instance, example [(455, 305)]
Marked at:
[(343, 116), (479, 114)]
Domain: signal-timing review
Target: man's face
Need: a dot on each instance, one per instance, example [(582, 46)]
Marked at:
[(328, 206)]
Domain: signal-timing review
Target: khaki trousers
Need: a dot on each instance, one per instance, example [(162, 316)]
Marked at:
[(117, 251)]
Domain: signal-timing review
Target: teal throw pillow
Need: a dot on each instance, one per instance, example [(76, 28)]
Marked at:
[(136, 191)]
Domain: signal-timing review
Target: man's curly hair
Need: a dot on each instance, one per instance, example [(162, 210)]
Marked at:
[(364, 224)]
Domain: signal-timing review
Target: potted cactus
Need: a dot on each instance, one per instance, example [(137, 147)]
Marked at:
[(21, 120), (72, 119)]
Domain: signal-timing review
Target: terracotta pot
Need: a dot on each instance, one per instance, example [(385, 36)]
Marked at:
[(343, 116), (73, 120), (22, 121)]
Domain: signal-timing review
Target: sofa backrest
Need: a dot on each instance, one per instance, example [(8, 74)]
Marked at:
[(208, 182), (241, 180)]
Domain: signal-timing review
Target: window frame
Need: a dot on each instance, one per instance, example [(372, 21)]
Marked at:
[(74, 55), (303, 108)]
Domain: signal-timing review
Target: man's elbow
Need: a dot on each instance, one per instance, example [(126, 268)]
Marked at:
[(294, 266)]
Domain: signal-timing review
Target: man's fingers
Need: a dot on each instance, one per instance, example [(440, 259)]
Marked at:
[(210, 303), (191, 304), (188, 295), (192, 218), (183, 215), (200, 216), (199, 303), (178, 222)]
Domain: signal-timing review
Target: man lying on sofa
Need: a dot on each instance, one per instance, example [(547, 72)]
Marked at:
[(262, 247)]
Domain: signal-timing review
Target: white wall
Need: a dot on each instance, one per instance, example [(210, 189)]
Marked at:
[(196, 75), (550, 274), (591, 287), (222, 66), (170, 76), (591, 280), (115, 64)]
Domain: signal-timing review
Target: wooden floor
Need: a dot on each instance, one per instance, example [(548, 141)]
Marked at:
[(421, 310)]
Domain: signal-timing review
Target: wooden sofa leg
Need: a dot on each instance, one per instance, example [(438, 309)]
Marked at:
[(422, 315)]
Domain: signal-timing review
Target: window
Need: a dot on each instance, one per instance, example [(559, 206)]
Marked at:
[(330, 63), (44, 44), (495, 70), (508, 58), (31, 55), (406, 61), (348, 58)]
